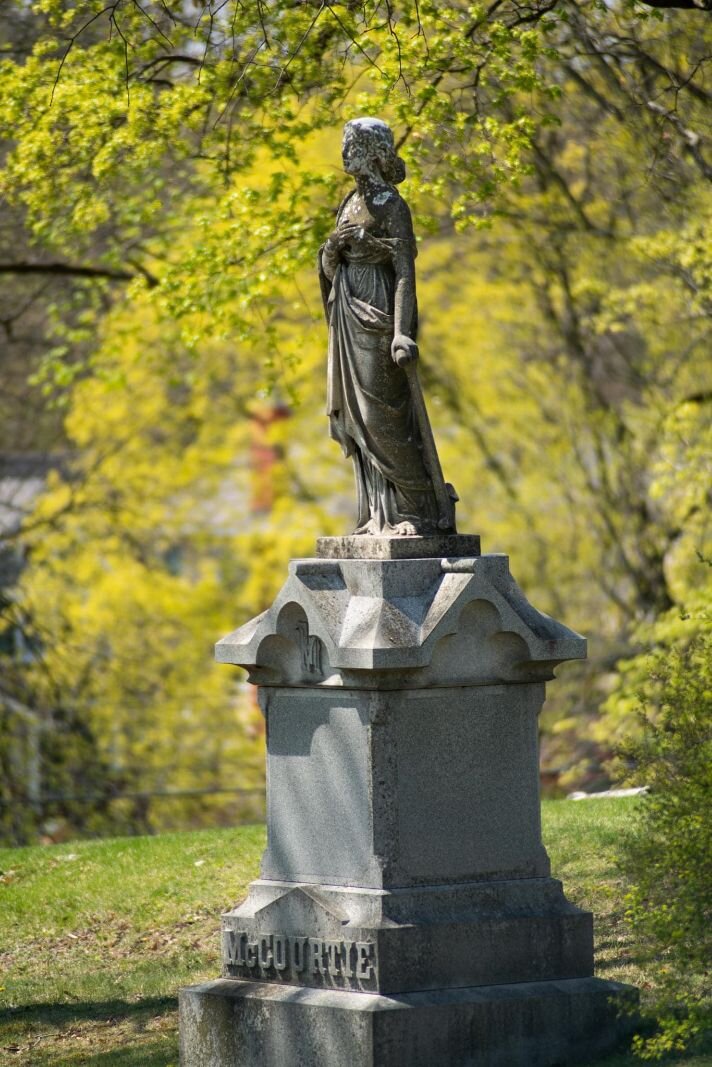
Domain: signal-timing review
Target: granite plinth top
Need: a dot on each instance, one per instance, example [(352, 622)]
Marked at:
[(362, 546), (434, 621)]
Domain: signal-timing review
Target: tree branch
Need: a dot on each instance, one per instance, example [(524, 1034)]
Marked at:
[(78, 270), (693, 5)]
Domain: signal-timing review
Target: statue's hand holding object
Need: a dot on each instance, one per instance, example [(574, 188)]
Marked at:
[(404, 350)]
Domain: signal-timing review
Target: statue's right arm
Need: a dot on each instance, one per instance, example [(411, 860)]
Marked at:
[(329, 252), (329, 258), (326, 270)]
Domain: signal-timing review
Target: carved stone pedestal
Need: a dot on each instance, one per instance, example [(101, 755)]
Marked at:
[(405, 912)]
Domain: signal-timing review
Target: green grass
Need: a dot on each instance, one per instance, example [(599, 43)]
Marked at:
[(97, 937)]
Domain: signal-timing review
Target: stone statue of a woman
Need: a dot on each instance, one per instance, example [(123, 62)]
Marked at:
[(367, 271)]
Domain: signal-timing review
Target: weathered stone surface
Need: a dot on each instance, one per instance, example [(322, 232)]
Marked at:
[(362, 546), (410, 787), (374, 401), (545, 1024), (393, 624)]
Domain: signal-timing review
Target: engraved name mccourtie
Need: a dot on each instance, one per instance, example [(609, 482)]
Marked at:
[(301, 957)]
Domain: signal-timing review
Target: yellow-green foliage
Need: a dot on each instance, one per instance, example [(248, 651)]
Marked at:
[(565, 291), (667, 849)]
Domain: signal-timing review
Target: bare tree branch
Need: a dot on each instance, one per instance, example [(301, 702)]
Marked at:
[(78, 270), (72, 41)]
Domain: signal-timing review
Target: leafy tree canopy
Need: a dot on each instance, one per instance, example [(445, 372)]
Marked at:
[(168, 171)]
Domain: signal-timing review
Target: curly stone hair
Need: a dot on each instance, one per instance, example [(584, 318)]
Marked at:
[(378, 137)]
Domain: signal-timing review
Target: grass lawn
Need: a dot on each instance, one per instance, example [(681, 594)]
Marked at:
[(96, 937)]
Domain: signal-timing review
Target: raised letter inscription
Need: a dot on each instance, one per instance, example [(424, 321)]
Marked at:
[(309, 960)]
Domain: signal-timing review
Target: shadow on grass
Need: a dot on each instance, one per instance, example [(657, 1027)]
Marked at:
[(155, 1054), (54, 1014)]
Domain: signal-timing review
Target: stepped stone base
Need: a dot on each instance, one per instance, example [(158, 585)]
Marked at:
[(407, 940), (230, 1023)]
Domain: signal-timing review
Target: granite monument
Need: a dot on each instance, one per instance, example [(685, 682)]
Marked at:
[(405, 912)]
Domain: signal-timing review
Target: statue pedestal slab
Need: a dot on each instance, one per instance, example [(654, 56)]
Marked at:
[(360, 546), (405, 912)]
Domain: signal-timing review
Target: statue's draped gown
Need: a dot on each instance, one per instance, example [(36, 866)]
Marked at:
[(368, 396)]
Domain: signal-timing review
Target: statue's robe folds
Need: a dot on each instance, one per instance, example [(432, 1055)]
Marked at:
[(368, 397)]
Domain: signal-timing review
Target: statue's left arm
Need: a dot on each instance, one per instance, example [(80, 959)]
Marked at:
[(404, 348)]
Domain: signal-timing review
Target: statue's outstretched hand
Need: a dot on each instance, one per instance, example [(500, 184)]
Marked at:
[(403, 350)]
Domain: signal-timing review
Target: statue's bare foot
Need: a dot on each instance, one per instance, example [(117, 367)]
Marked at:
[(370, 528), (405, 529)]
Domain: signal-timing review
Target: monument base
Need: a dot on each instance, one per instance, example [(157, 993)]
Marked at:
[(407, 940), (229, 1023), (405, 915)]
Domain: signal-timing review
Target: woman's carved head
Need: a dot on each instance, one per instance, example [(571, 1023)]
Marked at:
[(368, 147)]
